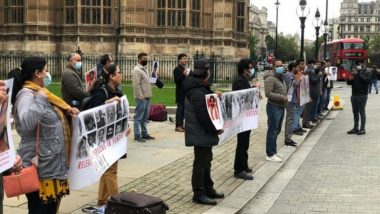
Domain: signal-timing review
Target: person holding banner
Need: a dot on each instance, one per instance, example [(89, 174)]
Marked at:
[(200, 133), (241, 168), (275, 91), (41, 121), (110, 80)]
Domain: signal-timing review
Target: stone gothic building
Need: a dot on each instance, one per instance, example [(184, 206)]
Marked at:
[(159, 27)]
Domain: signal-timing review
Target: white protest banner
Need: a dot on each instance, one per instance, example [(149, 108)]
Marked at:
[(240, 111), (7, 151), (98, 141), (91, 76), (214, 110), (153, 75), (333, 73), (304, 90)]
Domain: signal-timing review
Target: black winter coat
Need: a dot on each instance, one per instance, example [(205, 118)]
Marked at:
[(360, 83), (199, 130), (179, 77), (240, 83)]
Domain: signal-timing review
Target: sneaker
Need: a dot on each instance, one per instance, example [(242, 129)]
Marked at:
[(95, 210), (307, 126), (361, 132), (140, 139), (291, 143), (352, 131), (274, 158), (296, 132), (302, 130), (148, 137)]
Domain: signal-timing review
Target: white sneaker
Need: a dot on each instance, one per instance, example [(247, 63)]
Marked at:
[(274, 158)]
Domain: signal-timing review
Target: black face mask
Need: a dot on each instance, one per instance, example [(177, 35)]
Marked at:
[(144, 63)]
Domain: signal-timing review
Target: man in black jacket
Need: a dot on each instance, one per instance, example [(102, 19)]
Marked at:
[(359, 82), (242, 170), (314, 95), (180, 72)]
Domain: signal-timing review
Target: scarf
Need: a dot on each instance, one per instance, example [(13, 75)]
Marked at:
[(60, 107)]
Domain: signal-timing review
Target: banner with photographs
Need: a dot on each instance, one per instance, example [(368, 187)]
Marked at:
[(91, 76), (304, 90), (7, 151), (153, 75), (332, 73), (99, 140), (240, 112)]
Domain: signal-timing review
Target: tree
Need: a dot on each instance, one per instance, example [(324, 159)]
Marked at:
[(374, 44), (270, 42), (252, 42), (310, 50)]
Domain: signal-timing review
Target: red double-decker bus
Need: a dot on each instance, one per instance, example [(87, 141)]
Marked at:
[(344, 54)]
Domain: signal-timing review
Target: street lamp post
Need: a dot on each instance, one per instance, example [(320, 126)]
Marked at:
[(326, 30), (302, 13), (317, 26), (277, 4)]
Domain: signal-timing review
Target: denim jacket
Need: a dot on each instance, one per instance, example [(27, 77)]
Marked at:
[(33, 109)]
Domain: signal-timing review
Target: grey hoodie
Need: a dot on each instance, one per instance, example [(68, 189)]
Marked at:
[(275, 89)]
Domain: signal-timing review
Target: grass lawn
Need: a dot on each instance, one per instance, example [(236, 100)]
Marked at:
[(165, 96)]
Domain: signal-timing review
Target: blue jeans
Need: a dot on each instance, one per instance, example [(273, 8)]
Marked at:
[(374, 83), (320, 104), (297, 117), (179, 115), (314, 108), (275, 116), (141, 117)]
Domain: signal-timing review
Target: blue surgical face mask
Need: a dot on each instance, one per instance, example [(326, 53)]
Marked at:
[(78, 65), (252, 72), (279, 70), (47, 80)]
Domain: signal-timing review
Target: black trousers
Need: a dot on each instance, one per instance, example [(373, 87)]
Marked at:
[(201, 178), (358, 103), (180, 114), (241, 154), (36, 207)]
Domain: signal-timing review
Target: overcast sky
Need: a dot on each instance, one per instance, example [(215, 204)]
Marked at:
[(288, 21)]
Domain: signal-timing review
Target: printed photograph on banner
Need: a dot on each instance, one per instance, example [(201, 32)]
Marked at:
[(239, 110), (89, 121), (7, 151), (333, 73), (213, 108), (119, 111), (90, 77), (111, 115), (100, 116), (98, 146), (153, 75)]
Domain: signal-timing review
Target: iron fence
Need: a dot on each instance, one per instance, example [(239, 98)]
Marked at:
[(223, 70)]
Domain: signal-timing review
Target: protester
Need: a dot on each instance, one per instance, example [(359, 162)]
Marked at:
[(374, 80), (292, 80), (200, 133), (275, 91), (106, 90), (72, 89), (180, 72), (359, 81), (315, 87), (142, 91), (245, 72), (297, 128), (320, 73), (44, 123), (313, 93), (329, 84), (105, 61)]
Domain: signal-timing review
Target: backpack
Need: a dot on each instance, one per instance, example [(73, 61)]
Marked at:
[(158, 113), (87, 100)]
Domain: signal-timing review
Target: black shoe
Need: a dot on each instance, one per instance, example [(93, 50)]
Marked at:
[(361, 132), (148, 137), (249, 170), (302, 130), (203, 199), (244, 175), (307, 126), (214, 194), (296, 132), (291, 143), (140, 139), (315, 120), (326, 109), (352, 131)]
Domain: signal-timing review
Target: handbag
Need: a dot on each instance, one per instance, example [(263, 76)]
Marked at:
[(26, 180)]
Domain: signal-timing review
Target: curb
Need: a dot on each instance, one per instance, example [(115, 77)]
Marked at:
[(241, 196)]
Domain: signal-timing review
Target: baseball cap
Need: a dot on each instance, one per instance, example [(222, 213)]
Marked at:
[(201, 66)]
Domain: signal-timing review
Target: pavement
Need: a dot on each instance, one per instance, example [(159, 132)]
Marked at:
[(163, 168)]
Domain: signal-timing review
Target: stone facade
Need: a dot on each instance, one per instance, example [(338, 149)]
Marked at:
[(258, 27), (359, 19), (158, 27)]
